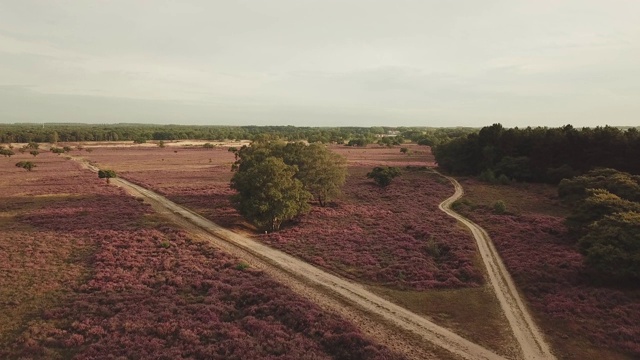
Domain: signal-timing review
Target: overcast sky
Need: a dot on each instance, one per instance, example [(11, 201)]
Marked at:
[(321, 63)]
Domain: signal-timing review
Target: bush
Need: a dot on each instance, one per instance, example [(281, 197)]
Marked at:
[(27, 165), (487, 176), (384, 175), (503, 180), (499, 207)]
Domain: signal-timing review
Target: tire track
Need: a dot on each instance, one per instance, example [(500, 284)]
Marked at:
[(530, 338)]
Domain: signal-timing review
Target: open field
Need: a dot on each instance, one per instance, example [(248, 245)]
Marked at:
[(88, 271), (584, 320), (394, 238)]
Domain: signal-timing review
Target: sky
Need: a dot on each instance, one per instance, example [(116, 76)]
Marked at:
[(322, 62)]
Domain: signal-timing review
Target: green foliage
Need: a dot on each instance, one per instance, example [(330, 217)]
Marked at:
[(487, 176), (106, 174), (56, 150), (518, 168), (140, 140), (384, 175), (7, 152), (34, 153), (32, 145), (404, 150), (165, 244), (622, 184), (540, 154), (499, 207), (597, 204), (321, 171), (391, 140), (27, 165), (208, 146), (612, 246), (269, 193), (161, 144), (358, 142), (242, 266), (503, 180), (66, 148)]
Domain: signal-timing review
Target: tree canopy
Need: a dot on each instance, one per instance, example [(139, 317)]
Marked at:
[(319, 172), (384, 175), (541, 154)]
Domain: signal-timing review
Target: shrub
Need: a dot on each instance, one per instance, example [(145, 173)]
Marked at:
[(208, 146), (503, 180), (499, 207), (384, 175), (487, 176)]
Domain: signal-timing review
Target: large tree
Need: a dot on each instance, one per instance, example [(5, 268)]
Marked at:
[(269, 193)]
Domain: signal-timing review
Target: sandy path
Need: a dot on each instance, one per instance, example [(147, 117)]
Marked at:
[(530, 338), (312, 279)]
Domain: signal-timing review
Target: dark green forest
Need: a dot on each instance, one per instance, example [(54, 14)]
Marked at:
[(541, 154)]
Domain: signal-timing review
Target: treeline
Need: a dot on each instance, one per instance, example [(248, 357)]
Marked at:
[(540, 154), (52, 133)]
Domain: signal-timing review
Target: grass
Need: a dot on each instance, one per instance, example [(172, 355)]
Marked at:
[(473, 313)]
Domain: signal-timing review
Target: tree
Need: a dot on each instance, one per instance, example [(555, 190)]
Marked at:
[(612, 246), (404, 150), (384, 175), (269, 193), (321, 171), (161, 144), (56, 150), (106, 174), (27, 165), (34, 153)]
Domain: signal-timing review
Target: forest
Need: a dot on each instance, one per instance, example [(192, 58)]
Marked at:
[(360, 136), (540, 154)]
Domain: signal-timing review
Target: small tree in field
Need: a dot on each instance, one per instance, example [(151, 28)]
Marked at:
[(404, 150), (384, 175), (106, 174), (34, 153), (27, 165)]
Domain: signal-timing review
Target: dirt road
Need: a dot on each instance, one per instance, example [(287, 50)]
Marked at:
[(313, 279), (530, 338)]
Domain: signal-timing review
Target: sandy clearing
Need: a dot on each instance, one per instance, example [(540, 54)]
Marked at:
[(531, 340), (376, 312)]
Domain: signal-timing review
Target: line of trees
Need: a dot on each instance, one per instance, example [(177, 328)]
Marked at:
[(541, 154), (277, 180), (52, 133)]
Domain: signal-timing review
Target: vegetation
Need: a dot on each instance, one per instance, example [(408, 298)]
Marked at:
[(97, 282), (23, 133), (605, 218), (540, 154), (586, 317), (6, 152), (34, 153), (27, 165), (106, 174), (269, 193), (275, 180), (57, 150), (383, 175)]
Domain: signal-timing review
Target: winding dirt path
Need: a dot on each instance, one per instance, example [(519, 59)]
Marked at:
[(530, 338), (307, 279)]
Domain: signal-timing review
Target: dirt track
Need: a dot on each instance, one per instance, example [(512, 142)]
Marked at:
[(315, 283), (530, 338)]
